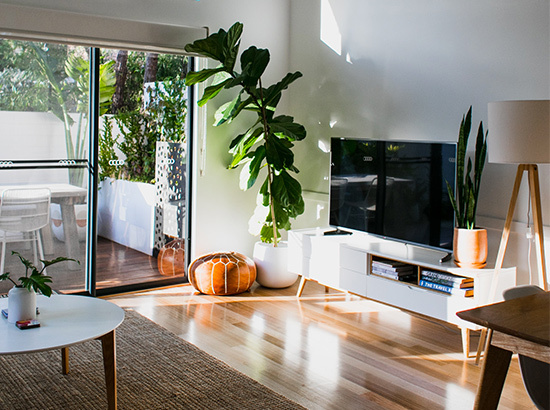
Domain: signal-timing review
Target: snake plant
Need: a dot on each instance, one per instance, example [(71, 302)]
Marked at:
[(467, 186)]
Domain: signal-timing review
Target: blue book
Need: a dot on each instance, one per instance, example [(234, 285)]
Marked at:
[(467, 292)]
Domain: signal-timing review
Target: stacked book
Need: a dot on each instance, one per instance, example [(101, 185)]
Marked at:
[(394, 270), (447, 283)]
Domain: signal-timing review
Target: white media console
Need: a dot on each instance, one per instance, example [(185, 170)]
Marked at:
[(344, 262)]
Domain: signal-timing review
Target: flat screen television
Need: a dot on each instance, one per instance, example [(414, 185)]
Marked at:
[(393, 189)]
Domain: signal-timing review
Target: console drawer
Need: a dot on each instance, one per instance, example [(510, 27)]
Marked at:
[(353, 259), (419, 300)]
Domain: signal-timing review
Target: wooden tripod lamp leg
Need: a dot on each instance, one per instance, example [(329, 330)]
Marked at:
[(506, 231), (502, 250), (534, 190)]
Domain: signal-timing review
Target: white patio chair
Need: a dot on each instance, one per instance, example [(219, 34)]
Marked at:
[(23, 212)]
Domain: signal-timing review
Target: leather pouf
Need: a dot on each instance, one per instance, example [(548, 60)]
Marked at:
[(222, 273), (171, 258)]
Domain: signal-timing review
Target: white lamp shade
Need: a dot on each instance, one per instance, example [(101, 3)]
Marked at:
[(519, 132)]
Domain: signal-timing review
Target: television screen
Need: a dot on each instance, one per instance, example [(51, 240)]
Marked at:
[(394, 189)]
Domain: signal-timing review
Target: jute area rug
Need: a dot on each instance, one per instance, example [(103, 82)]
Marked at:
[(156, 370)]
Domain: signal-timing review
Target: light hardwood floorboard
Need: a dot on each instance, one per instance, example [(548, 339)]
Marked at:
[(328, 350)]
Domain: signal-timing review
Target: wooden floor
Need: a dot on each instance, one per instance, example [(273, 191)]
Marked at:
[(116, 265), (328, 350)]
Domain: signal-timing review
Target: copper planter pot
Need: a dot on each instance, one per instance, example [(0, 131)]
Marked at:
[(470, 247)]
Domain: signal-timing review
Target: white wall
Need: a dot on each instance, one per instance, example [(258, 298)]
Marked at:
[(405, 69), (30, 135)]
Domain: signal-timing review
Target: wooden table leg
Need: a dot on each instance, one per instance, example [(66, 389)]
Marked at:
[(481, 344), (465, 332), (65, 360), (301, 286), (109, 363), (495, 367)]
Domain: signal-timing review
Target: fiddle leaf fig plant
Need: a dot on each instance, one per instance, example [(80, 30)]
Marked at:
[(36, 281), (268, 142), (467, 187)]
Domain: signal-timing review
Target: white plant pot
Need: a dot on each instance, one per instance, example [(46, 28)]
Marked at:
[(21, 304), (271, 265)]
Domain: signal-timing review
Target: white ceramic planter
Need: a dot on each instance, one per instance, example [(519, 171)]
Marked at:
[(21, 304), (271, 265), (126, 213)]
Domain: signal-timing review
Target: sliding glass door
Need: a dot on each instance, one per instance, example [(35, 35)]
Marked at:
[(44, 93), (142, 209), (137, 153)]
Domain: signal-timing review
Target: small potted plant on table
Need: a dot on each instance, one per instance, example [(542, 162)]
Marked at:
[(22, 297)]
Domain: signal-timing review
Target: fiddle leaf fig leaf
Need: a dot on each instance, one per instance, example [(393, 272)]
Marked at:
[(281, 216), (287, 190), (211, 91), (226, 112), (212, 46), (231, 45), (284, 125), (255, 166), (278, 153), (195, 77), (253, 63), (242, 148), (275, 90), (264, 191), (221, 46)]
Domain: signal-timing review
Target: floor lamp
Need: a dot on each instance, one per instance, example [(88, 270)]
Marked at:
[(519, 133)]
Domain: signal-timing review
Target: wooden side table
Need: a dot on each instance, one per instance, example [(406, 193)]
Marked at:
[(520, 326)]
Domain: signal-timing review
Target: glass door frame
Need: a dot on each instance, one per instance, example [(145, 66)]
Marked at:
[(91, 253)]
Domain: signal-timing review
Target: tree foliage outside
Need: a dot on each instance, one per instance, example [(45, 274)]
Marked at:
[(161, 119), (44, 77), (23, 86)]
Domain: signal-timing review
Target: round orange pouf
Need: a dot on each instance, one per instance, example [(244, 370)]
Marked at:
[(222, 273), (171, 258)]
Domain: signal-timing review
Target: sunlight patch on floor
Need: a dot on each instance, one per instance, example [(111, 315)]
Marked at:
[(458, 398), (360, 306)]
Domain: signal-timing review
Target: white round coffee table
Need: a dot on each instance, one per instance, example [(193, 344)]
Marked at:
[(66, 320)]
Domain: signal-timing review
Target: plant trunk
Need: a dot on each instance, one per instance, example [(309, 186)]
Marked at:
[(272, 206), (151, 66), (121, 70)]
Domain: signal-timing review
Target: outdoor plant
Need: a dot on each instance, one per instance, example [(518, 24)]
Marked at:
[(36, 280), (268, 142), (162, 119), (467, 186), (77, 69)]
